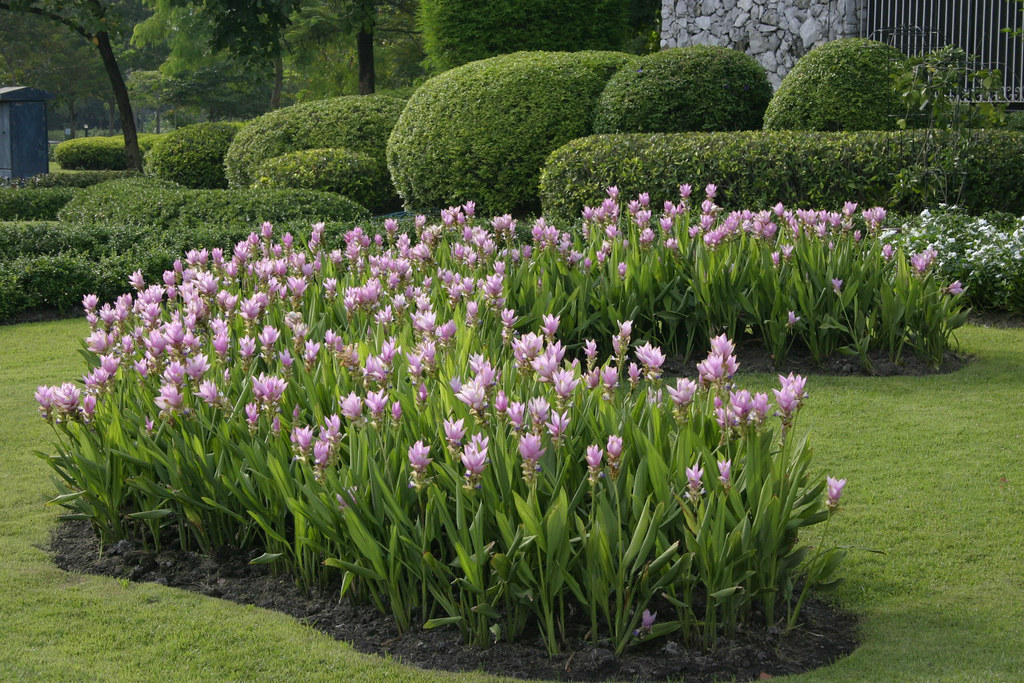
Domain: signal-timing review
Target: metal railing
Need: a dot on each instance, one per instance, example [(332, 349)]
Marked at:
[(920, 26)]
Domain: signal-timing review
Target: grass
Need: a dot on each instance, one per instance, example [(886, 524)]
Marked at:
[(936, 482)]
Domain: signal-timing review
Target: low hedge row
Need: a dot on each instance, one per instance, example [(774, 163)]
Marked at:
[(33, 203), (160, 205), (68, 179), (761, 168), (99, 153)]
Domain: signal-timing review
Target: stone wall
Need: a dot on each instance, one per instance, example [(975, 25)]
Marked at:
[(775, 32)]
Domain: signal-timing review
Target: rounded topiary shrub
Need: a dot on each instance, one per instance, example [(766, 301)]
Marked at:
[(701, 87), (360, 123), (99, 153), (842, 85), (359, 176), (193, 156), (482, 131), (91, 154)]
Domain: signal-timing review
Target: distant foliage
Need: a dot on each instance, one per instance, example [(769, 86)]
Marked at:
[(697, 88), (845, 84), (481, 132), (360, 123), (193, 156), (459, 31)]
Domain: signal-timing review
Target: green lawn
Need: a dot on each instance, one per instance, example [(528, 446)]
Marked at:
[(936, 481)]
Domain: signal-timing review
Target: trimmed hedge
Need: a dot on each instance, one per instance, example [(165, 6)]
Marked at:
[(250, 207), (68, 179), (696, 88), (482, 131), (333, 170), (360, 123), (758, 169), (33, 203), (456, 32), (160, 205), (844, 84), (100, 153), (193, 156)]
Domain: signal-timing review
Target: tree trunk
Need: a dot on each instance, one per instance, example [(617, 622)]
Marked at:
[(158, 120), (364, 52), (132, 155), (71, 114), (275, 94)]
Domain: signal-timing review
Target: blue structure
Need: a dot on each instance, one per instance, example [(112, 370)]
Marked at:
[(23, 145)]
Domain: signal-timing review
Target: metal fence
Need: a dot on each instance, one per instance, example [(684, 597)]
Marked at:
[(920, 26)]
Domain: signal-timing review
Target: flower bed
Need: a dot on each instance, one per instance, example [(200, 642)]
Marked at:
[(985, 253), (405, 415)]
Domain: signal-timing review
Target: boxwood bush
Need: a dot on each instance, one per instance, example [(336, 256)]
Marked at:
[(193, 156), (757, 169), (160, 205), (844, 84), (481, 131), (360, 123), (700, 87), (459, 31), (342, 171), (33, 203), (99, 153)]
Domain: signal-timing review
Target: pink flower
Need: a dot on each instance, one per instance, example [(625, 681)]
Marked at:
[(474, 457), (530, 447), (837, 285), (955, 288), (682, 393), (652, 359), (793, 319), (302, 439), (454, 431), (921, 262), (557, 425), (694, 481), (352, 407), (321, 452), (594, 456), (614, 447), (725, 472), (549, 325), (169, 400), (418, 456), (834, 491)]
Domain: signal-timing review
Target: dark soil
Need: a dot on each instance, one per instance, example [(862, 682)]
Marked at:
[(826, 633)]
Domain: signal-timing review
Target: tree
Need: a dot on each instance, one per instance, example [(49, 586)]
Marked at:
[(44, 54), (96, 21), (317, 23)]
